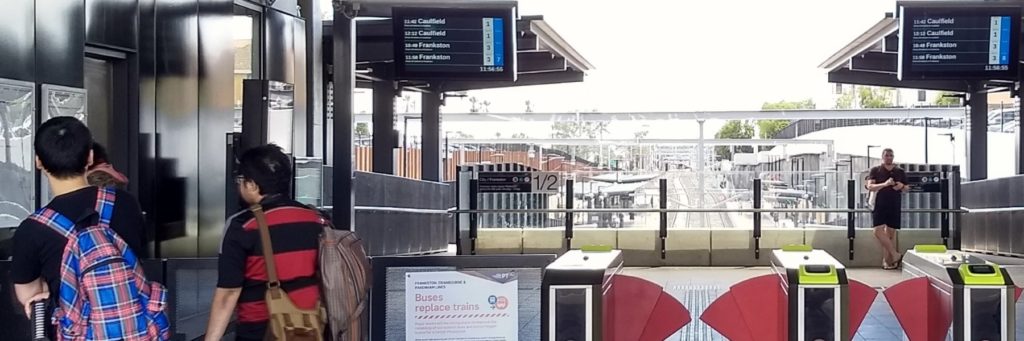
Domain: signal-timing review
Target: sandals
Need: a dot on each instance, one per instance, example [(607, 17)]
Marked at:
[(895, 265)]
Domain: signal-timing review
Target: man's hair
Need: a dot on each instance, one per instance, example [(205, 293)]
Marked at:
[(99, 154), (269, 168), (887, 150), (63, 145)]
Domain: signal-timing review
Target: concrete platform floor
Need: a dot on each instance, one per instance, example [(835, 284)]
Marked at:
[(696, 288)]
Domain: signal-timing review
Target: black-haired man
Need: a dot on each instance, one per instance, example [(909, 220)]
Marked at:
[(265, 179), (889, 182), (63, 147)]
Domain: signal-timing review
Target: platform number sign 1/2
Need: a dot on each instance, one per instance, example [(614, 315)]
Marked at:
[(546, 182)]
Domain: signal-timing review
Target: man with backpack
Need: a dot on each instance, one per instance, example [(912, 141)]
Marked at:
[(323, 277), (264, 181), (83, 245)]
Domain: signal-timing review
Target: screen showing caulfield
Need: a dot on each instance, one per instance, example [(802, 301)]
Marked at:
[(957, 41), (454, 43)]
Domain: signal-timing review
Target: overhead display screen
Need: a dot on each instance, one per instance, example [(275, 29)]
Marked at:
[(958, 41), (454, 43)]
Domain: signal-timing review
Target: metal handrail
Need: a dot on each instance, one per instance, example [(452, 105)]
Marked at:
[(698, 210), (402, 210)]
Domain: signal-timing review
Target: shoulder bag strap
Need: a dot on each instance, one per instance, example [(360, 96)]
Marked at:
[(268, 249)]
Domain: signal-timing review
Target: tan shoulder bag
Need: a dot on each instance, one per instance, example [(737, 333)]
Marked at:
[(287, 322)]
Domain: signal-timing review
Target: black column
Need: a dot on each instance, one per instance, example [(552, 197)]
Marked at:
[(977, 137), (344, 85), (314, 76), (431, 132), (384, 141)]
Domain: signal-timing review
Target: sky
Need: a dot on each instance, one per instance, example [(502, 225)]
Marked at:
[(671, 55)]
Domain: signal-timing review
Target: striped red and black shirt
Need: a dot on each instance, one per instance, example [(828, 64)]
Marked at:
[(294, 232)]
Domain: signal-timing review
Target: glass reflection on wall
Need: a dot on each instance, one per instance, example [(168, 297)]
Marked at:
[(308, 183), (281, 102), (246, 57), (62, 101), (17, 165)]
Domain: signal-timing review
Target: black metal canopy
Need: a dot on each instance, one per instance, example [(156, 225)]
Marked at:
[(871, 59), (543, 57)]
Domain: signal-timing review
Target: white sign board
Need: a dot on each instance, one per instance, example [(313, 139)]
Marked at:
[(461, 305), (546, 182)]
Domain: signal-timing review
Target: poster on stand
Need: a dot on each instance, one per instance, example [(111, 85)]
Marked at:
[(461, 306)]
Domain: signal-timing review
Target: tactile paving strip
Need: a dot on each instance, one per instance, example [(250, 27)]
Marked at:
[(696, 298)]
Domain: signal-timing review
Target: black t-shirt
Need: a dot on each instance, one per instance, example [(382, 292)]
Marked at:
[(38, 249), (887, 197)]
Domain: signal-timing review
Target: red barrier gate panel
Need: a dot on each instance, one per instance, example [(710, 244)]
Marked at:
[(754, 309), (861, 298), (924, 312), (637, 309)]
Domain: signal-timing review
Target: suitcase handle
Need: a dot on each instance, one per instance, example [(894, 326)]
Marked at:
[(38, 320)]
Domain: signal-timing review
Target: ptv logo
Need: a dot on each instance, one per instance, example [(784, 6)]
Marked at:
[(498, 302)]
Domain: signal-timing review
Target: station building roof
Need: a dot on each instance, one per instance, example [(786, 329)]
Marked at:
[(908, 144)]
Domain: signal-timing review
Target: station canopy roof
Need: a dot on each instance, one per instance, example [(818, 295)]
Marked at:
[(543, 56), (871, 59)]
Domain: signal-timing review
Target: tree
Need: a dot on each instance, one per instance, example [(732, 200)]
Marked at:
[(520, 136), (461, 135), (769, 128), (362, 129), (867, 97), (788, 105), (947, 99), (734, 130), (580, 130)]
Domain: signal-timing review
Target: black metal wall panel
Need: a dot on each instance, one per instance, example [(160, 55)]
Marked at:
[(279, 48), (216, 117), (994, 231), (177, 132), (60, 41), (393, 233), (17, 30), (302, 114), (147, 156), (112, 23)]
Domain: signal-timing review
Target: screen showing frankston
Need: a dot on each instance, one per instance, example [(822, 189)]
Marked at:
[(958, 41), (454, 44)]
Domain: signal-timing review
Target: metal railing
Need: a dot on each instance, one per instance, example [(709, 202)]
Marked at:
[(703, 210), (469, 214)]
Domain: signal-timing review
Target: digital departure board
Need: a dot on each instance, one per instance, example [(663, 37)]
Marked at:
[(958, 40), (454, 43)]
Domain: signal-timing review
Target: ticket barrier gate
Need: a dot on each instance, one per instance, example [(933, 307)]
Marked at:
[(949, 288), (585, 298), (807, 297)]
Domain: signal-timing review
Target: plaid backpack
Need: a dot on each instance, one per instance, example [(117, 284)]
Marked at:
[(104, 294)]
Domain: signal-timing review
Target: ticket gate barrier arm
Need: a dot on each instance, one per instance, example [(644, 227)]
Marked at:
[(972, 294)]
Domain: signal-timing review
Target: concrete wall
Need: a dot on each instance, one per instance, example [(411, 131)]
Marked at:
[(701, 247)]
